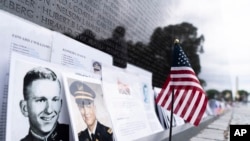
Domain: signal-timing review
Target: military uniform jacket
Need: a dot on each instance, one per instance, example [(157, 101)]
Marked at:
[(102, 133), (60, 133)]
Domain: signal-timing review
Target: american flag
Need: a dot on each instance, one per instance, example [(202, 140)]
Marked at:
[(190, 100)]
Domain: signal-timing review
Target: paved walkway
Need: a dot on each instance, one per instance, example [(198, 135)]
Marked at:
[(219, 129)]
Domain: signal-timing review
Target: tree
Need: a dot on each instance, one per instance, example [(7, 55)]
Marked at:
[(243, 95), (212, 94), (161, 44), (227, 95)]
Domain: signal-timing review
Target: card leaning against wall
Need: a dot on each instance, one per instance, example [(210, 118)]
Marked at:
[(37, 108), (89, 117)]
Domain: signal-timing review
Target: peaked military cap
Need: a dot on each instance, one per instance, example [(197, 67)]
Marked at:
[(83, 93)]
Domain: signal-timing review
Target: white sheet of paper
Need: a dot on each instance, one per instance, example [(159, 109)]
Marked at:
[(74, 54), (23, 37), (147, 96), (121, 92)]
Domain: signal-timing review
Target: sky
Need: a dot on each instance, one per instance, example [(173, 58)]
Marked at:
[(225, 25)]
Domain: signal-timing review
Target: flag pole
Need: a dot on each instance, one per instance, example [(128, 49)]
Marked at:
[(171, 115), (183, 84), (172, 104)]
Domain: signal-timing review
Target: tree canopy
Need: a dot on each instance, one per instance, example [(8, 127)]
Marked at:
[(156, 56)]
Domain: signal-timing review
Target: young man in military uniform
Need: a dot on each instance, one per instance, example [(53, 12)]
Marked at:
[(84, 97), (42, 104)]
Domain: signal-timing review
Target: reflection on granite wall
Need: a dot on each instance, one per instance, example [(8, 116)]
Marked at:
[(100, 16), (129, 30)]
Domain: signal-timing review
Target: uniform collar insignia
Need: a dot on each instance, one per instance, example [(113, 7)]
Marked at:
[(79, 87), (109, 131)]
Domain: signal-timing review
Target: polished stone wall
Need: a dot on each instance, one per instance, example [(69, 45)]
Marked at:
[(73, 17)]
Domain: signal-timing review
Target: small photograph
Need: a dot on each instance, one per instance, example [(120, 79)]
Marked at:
[(89, 117), (37, 105), (97, 67), (123, 88), (145, 90)]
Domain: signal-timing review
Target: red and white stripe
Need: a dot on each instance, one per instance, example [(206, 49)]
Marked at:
[(190, 101)]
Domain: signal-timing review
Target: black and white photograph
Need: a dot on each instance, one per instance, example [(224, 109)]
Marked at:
[(36, 102)]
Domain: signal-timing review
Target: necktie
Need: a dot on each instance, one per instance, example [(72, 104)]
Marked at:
[(93, 137)]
